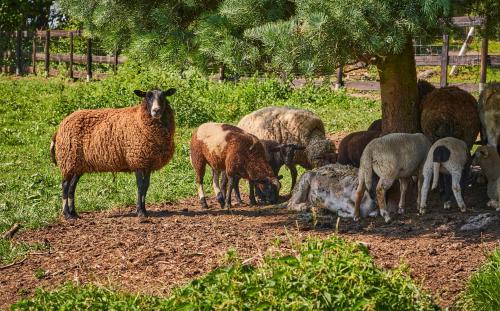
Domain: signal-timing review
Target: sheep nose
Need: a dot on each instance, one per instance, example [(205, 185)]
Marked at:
[(155, 111)]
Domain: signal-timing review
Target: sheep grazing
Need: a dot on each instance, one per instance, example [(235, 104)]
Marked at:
[(228, 148), (277, 155), (448, 156), (489, 113), (489, 161), (450, 112), (352, 146), (293, 126), (136, 139), (393, 156), (332, 187)]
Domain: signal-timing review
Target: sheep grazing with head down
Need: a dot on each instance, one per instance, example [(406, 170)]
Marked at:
[(227, 148), (450, 112), (393, 156), (136, 139), (489, 113), (449, 156), (277, 155), (293, 126), (489, 161)]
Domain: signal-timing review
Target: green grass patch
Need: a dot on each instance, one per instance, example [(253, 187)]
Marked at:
[(31, 109), (329, 274), (483, 290)]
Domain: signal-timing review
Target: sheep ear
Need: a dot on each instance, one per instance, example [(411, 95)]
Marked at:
[(170, 92), (140, 93)]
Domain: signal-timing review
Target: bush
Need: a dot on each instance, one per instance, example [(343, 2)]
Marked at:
[(483, 290), (323, 275)]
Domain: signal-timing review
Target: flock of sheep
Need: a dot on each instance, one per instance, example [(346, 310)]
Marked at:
[(140, 139)]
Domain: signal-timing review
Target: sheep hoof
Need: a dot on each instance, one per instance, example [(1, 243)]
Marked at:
[(70, 215), (203, 203), (386, 215), (253, 203), (463, 209), (227, 205), (401, 211), (422, 211), (220, 199), (356, 218), (141, 212), (447, 205)]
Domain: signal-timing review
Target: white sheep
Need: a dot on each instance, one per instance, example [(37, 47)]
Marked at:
[(293, 126), (489, 113), (393, 156), (489, 160), (448, 156), (332, 187)]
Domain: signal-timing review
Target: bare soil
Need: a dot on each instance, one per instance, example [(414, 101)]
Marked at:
[(181, 241)]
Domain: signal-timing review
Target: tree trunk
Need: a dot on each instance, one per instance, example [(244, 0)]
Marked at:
[(398, 92)]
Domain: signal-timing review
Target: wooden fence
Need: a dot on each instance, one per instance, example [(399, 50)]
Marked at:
[(88, 59)]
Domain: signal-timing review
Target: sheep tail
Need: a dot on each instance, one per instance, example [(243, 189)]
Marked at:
[(53, 149), (441, 154), (366, 165)]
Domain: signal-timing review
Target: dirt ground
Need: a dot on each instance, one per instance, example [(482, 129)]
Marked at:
[(182, 241)]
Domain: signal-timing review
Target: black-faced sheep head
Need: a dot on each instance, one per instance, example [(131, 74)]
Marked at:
[(287, 152), (156, 101), (268, 189)]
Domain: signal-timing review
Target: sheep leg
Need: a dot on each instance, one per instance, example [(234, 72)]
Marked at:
[(140, 178), (65, 190), (230, 184), (252, 193), (145, 185), (293, 172), (215, 184), (200, 173), (71, 196), (403, 187), (360, 192), (237, 190), (424, 190), (383, 185), (447, 193), (455, 186)]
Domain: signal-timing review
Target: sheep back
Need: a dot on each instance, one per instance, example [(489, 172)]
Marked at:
[(114, 140), (286, 126), (450, 111), (352, 146)]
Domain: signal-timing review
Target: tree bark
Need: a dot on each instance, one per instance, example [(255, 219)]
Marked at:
[(398, 91)]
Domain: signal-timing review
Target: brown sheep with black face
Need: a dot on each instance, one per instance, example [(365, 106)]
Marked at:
[(227, 148), (136, 139)]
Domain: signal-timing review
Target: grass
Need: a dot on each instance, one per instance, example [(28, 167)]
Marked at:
[(32, 107), (329, 274), (483, 290)]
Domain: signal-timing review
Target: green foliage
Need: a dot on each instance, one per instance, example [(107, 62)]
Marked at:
[(31, 109), (24, 14), (483, 292), (322, 275)]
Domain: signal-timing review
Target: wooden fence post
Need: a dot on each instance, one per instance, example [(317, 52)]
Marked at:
[(444, 62), (484, 64), (18, 52), (47, 52), (115, 61), (33, 53), (340, 82), (71, 49), (89, 59)]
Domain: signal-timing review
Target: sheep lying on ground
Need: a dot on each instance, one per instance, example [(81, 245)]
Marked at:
[(277, 155), (137, 139), (489, 113), (227, 148), (489, 160), (450, 112), (352, 146), (448, 156), (293, 126), (393, 156), (332, 187)]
